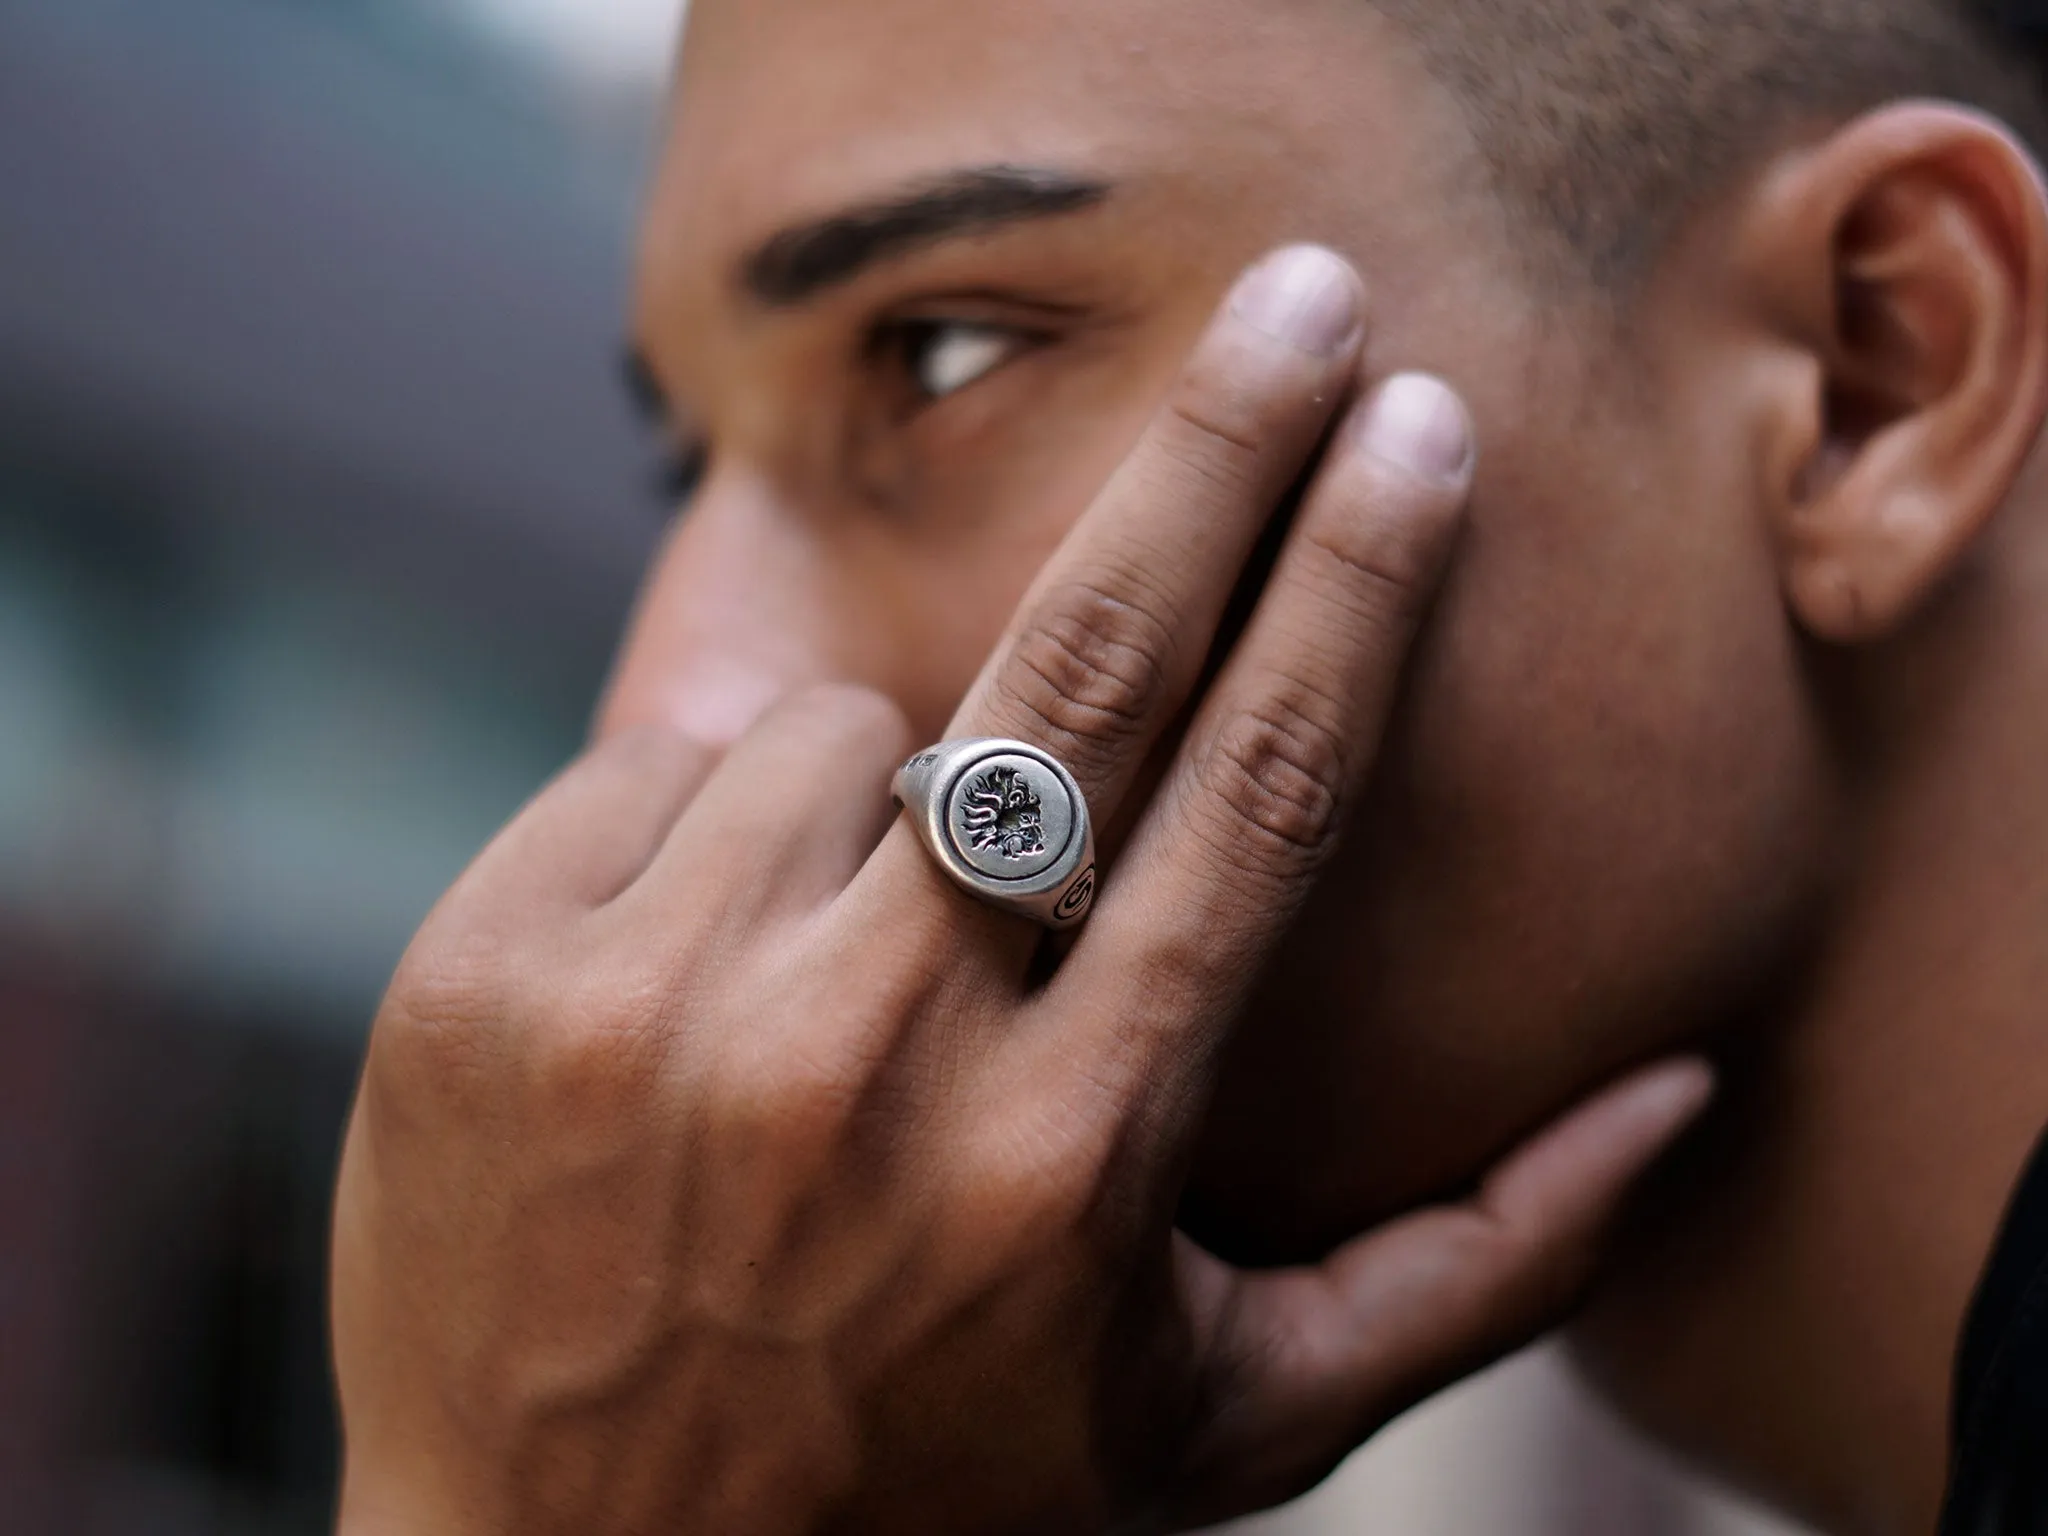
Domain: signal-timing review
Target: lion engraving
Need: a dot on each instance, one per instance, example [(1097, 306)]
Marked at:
[(1003, 815)]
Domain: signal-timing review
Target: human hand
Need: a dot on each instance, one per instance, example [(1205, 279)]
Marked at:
[(720, 1166)]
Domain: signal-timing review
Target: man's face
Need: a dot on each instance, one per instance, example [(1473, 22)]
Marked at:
[(915, 273)]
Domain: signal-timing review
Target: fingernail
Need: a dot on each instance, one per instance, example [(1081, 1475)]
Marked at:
[(1418, 423), (717, 701), (1688, 1087), (1304, 296)]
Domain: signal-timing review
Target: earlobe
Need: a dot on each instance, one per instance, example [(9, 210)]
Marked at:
[(1917, 243)]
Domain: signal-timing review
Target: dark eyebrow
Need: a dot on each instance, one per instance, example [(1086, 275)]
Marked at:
[(801, 262)]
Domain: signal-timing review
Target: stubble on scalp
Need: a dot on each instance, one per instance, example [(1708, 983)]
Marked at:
[(1605, 122)]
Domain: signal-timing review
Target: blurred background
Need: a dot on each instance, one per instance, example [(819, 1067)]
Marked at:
[(321, 501)]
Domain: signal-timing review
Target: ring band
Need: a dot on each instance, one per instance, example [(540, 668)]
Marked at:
[(1007, 823)]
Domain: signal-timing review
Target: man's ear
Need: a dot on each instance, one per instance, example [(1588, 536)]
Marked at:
[(1907, 255)]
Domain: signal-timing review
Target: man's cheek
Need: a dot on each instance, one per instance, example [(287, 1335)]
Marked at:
[(956, 598), (943, 638)]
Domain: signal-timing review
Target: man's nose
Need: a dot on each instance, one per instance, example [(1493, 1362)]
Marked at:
[(737, 611)]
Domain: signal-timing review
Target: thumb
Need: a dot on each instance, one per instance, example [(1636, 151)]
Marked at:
[(1300, 1367)]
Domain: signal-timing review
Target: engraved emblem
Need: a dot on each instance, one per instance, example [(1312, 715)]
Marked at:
[(1003, 816), (1079, 894)]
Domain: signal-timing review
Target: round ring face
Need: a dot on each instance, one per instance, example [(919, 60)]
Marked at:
[(1010, 817)]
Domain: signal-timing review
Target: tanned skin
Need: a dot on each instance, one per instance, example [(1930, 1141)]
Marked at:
[(1723, 728)]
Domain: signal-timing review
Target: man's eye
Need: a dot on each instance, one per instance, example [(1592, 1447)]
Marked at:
[(944, 356)]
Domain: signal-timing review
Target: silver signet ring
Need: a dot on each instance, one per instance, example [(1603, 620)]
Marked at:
[(1007, 823)]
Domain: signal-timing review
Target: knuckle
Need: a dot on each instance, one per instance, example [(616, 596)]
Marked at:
[(447, 1028), (653, 749), (615, 1003), (472, 1009), (590, 1044), (1387, 553), (1277, 774), (1218, 427), (449, 984), (1091, 665), (1545, 1273)]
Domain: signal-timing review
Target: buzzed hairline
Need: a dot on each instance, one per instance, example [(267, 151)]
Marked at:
[(1605, 123)]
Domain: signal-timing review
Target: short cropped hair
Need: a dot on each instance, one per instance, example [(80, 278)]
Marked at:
[(1607, 121)]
